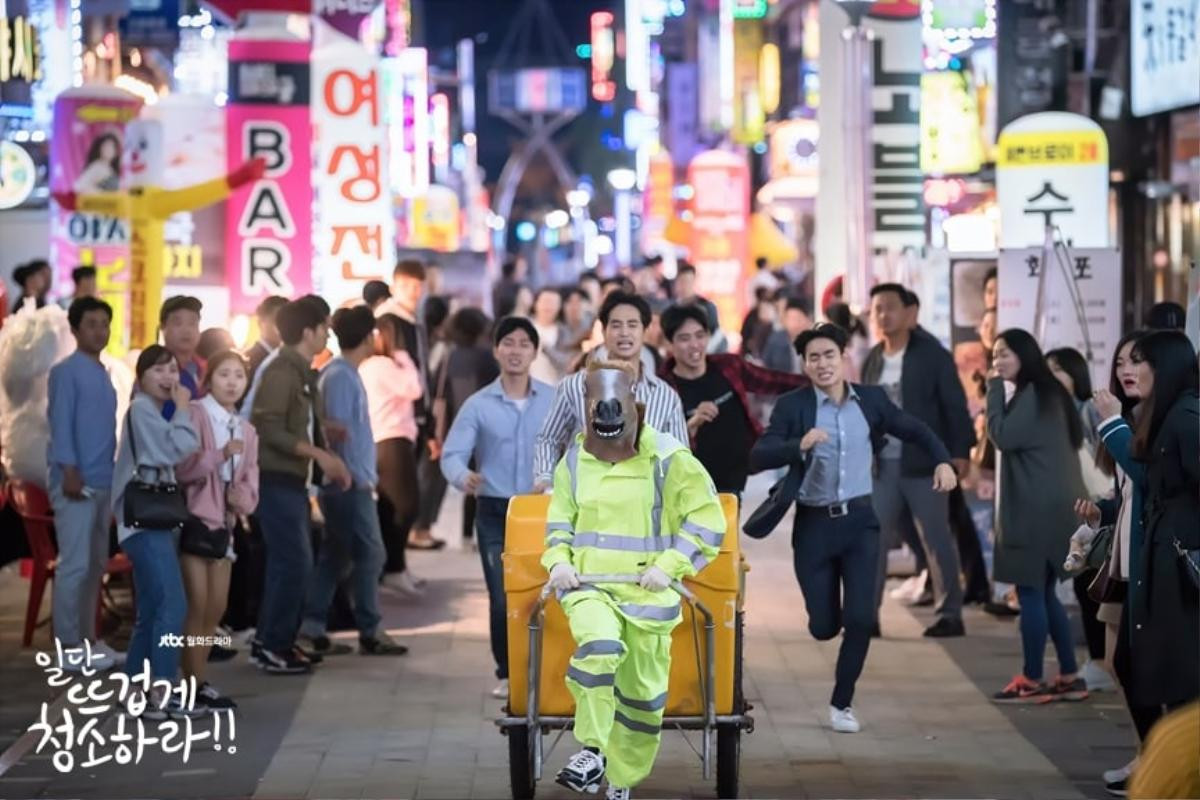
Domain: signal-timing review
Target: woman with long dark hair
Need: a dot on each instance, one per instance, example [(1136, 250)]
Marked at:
[(393, 388), (1159, 644), (1037, 436), (1118, 406)]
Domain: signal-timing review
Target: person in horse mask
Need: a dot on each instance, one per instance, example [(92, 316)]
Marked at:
[(627, 500)]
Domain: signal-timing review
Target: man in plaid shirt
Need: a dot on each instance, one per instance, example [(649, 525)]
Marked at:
[(713, 389)]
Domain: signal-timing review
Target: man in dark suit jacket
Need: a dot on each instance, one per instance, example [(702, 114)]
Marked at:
[(827, 436), (919, 376), (268, 334)]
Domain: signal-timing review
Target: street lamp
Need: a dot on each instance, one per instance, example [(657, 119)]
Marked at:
[(622, 180), (857, 118)]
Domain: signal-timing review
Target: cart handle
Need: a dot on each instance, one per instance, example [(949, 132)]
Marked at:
[(535, 659)]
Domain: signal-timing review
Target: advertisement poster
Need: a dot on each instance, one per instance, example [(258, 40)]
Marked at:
[(1096, 276), (897, 192), (1052, 170), (355, 228), (85, 158), (1164, 55), (720, 224), (268, 237)]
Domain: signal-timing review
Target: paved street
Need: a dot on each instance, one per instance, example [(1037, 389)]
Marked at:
[(422, 726)]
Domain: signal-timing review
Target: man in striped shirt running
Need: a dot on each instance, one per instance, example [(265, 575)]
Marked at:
[(624, 318)]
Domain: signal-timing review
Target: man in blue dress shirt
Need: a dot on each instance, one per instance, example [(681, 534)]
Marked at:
[(830, 433), (83, 441), (497, 427)]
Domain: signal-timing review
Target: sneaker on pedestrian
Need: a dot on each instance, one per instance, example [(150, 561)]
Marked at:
[(584, 772), (501, 690), (289, 663), (173, 708), (313, 658), (218, 653), (213, 700), (997, 609), (1023, 690), (843, 720), (614, 793), (324, 646), (402, 583), (946, 628), (256, 650), (1097, 677), (1069, 691), (909, 588), (1120, 774), (381, 645), (111, 657), (1118, 788)]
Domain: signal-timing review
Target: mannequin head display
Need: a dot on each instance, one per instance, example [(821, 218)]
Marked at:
[(143, 160), (614, 418)]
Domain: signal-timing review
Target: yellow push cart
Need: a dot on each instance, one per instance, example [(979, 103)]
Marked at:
[(705, 692)]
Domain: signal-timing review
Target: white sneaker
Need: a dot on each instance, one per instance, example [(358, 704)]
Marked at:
[(401, 583), (910, 589), (1096, 677), (1118, 775), (501, 690), (614, 793), (584, 772), (113, 657), (843, 720)]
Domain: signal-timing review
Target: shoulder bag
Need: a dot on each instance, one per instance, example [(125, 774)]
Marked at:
[(197, 539), (151, 506)]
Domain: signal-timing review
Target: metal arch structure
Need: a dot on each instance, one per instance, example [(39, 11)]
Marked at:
[(535, 21)]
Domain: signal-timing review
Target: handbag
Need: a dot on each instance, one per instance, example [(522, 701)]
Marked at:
[(781, 497), (1105, 588), (1191, 562), (151, 506), (1099, 548), (197, 539)]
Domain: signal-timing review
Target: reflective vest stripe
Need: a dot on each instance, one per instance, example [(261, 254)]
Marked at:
[(559, 526), (589, 680), (659, 613), (657, 704), (706, 535), (632, 544), (634, 725), (661, 466), (572, 458), (599, 647)]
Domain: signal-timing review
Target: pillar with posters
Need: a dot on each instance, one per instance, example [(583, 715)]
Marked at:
[(719, 244), (85, 158), (268, 239), (355, 228)]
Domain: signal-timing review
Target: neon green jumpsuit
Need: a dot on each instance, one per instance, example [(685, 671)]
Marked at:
[(658, 508)]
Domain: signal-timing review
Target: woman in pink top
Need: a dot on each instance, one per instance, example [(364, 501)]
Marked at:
[(393, 387), (221, 482)]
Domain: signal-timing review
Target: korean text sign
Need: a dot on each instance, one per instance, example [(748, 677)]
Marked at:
[(355, 237), (720, 230), (268, 238)]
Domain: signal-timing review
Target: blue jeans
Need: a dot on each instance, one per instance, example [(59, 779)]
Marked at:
[(836, 560), (353, 546), (161, 603), (283, 516), (490, 514), (1042, 613)]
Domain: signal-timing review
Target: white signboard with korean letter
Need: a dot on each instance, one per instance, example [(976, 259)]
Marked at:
[(1052, 169), (1164, 55)]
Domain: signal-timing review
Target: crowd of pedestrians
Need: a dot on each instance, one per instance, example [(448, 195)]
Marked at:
[(337, 465)]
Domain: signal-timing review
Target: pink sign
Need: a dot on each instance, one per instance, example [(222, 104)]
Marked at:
[(85, 158), (268, 238)]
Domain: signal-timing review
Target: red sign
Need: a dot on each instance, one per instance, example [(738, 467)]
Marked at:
[(720, 241), (230, 9), (895, 9)]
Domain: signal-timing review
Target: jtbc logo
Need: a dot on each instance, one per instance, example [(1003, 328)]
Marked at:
[(170, 640)]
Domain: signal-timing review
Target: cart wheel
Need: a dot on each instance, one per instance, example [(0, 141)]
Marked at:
[(729, 756), (520, 763)]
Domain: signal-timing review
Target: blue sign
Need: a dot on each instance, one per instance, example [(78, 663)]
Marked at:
[(151, 23)]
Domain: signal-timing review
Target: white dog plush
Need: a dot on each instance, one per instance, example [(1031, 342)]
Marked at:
[(1081, 542)]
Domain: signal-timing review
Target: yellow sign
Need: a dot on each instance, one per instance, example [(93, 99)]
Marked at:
[(950, 139), (1051, 148), (20, 50)]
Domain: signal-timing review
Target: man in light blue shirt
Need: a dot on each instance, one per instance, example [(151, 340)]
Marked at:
[(840, 466), (497, 427), (351, 521), (83, 442)]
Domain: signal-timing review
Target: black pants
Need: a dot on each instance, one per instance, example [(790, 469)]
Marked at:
[(970, 553), (1093, 629), (432, 490), (397, 503), (1144, 716), (836, 560)]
